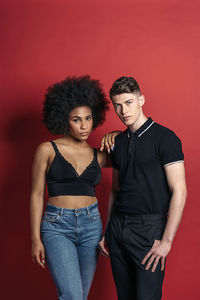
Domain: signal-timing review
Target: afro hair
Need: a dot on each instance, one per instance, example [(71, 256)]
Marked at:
[(68, 94)]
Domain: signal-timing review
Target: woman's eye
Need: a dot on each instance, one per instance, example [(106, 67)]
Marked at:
[(75, 120), (88, 118)]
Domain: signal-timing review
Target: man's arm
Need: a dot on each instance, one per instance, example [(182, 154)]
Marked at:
[(113, 192), (175, 174)]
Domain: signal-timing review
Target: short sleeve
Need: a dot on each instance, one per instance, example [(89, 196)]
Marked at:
[(118, 153), (170, 149)]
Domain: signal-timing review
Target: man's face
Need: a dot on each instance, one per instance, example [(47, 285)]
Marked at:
[(128, 107)]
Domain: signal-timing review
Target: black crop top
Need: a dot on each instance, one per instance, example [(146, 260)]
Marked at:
[(62, 178)]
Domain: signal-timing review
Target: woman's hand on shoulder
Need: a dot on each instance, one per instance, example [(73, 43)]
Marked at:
[(108, 140)]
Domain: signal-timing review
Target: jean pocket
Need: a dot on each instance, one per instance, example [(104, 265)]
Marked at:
[(94, 215), (50, 217)]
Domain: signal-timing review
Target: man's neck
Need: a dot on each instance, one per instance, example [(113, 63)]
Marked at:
[(140, 121)]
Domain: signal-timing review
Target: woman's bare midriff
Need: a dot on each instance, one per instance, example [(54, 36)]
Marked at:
[(72, 202)]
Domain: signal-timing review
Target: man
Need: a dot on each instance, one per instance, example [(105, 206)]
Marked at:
[(147, 197)]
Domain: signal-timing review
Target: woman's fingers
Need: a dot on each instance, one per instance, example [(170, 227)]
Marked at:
[(39, 260), (108, 140), (43, 257), (38, 256), (111, 141), (102, 143)]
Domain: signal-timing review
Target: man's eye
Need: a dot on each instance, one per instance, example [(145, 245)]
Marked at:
[(129, 102)]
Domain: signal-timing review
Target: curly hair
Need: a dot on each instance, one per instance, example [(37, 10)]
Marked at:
[(68, 94), (124, 85)]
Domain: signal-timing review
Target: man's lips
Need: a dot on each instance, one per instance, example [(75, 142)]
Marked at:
[(126, 118)]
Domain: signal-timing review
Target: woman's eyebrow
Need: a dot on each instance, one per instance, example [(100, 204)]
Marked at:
[(76, 117)]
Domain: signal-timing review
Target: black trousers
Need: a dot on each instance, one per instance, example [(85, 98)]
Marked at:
[(129, 238)]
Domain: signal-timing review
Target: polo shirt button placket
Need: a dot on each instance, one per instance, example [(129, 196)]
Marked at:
[(131, 147)]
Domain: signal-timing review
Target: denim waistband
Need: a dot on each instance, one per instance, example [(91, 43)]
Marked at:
[(62, 211)]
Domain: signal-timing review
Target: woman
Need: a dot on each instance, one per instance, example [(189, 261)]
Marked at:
[(67, 235)]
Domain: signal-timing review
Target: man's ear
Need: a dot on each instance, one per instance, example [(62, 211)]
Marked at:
[(141, 100)]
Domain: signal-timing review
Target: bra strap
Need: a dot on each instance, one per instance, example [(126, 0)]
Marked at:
[(95, 153), (54, 147)]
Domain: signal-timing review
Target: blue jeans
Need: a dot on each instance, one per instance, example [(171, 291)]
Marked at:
[(70, 238)]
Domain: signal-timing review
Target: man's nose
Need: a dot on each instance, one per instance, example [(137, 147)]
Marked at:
[(123, 109)]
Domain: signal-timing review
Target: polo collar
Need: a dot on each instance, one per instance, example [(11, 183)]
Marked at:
[(149, 122)]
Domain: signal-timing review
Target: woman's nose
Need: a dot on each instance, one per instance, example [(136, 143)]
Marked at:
[(83, 125)]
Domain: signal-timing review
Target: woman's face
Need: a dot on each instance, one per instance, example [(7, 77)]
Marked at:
[(80, 123)]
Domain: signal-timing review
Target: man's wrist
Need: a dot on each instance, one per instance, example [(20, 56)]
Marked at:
[(167, 240)]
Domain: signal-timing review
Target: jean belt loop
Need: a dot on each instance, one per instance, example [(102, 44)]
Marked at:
[(88, 210), (61, 211)]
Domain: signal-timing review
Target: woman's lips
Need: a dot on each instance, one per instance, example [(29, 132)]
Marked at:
[(84, 133)]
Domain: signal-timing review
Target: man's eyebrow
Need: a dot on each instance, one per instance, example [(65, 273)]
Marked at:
[(123, 102), (128, 99)]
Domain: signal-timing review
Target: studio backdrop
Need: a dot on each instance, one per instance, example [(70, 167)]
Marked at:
[(44, 41)]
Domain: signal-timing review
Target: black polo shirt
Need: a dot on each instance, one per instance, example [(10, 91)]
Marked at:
[(140, 158)]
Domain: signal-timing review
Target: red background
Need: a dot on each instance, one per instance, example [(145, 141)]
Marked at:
[(43, 41)]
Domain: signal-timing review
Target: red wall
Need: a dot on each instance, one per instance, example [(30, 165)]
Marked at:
[(43, 41)]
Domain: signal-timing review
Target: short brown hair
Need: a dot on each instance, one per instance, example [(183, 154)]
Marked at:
[(124, 85)]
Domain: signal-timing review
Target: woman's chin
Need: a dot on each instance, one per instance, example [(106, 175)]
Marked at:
[(81, 138)]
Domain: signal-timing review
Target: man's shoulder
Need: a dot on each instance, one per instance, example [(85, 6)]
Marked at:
[(123, 135), (121, 141), (161, 130)]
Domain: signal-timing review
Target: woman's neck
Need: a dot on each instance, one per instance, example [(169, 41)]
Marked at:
[(74, 142)]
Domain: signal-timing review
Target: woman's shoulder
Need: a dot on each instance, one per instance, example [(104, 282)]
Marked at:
[(102, 157), (44, 148)]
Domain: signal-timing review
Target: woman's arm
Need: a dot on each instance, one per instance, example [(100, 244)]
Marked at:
[(112, 196), (39, 168), (113, 193), (104, 159)]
